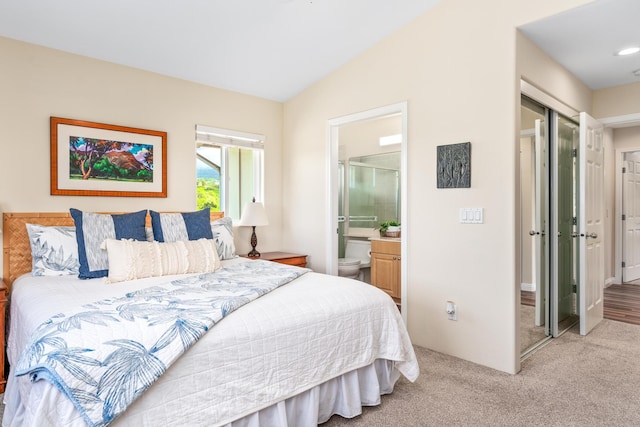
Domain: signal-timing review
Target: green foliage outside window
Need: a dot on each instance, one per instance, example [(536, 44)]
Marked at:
[(208, 193)]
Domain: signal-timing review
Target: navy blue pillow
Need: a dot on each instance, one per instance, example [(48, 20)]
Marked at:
[(172, 227), (92, 229)]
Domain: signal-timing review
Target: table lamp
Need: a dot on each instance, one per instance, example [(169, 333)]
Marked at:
[(253, 215)]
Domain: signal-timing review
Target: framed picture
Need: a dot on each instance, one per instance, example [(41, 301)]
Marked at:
[(96, 159), (454, 165)]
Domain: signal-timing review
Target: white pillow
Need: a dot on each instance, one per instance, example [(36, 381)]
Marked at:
[(131, 259), (54, 250), (222, 230)]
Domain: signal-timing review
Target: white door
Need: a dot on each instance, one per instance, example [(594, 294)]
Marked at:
[(540, 232), (591, 223), (631, 218)]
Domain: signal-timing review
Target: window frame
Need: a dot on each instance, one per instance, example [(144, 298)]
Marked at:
[(225, 139)]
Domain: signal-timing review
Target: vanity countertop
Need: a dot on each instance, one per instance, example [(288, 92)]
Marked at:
[(386, 239)]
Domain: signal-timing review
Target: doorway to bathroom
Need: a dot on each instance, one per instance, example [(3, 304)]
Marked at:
[(369, 195), (368, 187)]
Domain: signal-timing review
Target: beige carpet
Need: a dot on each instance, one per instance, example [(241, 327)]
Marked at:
[(572, 381)]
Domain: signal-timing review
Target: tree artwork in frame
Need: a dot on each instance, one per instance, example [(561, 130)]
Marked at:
[(97, 159)]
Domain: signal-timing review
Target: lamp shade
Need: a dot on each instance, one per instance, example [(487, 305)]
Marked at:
[(254, 215)]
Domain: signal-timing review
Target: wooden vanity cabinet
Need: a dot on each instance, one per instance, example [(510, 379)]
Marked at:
[(385, 266)]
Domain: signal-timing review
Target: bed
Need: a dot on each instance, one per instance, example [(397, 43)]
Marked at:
[(316, 346)]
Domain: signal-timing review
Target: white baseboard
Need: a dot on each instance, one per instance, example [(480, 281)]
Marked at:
[(610, 281), (528, 287)]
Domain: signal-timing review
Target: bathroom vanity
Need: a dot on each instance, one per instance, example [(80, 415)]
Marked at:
[(385, 265)]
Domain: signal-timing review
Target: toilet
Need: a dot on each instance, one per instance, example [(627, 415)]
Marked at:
[(356, 257)]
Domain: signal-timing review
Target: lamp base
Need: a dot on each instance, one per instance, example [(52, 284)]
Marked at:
[(254, 254), (254, 242)]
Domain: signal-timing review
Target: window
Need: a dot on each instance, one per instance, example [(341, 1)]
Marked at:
[(228, 169)]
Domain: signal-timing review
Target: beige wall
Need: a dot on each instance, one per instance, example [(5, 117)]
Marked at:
[(363, 138), (37, 82), (627, 138), (456, 67), (617, 101)]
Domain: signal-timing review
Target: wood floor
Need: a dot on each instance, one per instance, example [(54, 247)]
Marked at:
[(621, 302), (528, 298)]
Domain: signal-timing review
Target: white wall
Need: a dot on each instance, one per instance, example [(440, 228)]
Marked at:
[(37, 82), (456, 67)]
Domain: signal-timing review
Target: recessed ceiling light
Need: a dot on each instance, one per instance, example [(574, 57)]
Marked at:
[(628, 51)]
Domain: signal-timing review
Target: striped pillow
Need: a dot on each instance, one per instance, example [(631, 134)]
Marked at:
[(173, 227), (93, 229)]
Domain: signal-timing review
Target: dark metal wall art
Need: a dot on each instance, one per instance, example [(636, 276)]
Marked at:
[(454, 165)]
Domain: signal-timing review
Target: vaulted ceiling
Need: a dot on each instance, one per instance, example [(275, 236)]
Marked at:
[(267, 48), (585, 41), (276, 48)]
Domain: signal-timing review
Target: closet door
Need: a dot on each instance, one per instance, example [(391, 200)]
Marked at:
[(591, 223), (566, 133), (541, 222)]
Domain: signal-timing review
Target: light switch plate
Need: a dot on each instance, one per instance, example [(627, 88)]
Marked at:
[(471, 215)]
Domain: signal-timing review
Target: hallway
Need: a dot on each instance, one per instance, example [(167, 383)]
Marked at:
[(621, 302)]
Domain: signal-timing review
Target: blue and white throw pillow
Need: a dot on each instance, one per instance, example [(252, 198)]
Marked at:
[(92, 229), (54, 250), (173, 227), (222, 230)]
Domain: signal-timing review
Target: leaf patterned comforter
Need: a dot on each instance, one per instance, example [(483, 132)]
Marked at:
[(105, 354)]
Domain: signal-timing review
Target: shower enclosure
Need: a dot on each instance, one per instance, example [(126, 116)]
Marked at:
[(369, 193)]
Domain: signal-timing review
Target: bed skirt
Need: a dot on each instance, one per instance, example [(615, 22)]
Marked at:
[(344, 396)]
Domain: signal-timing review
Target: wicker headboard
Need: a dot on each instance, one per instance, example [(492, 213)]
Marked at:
[(15, 246)]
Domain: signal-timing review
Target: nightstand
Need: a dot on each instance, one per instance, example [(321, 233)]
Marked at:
[(283, 258), (3, 308)]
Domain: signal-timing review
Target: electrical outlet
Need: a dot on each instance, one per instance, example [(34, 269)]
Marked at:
[(452, 310)]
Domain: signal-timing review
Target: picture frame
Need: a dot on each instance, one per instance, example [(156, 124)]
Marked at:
[(98, 159), (454, 165)]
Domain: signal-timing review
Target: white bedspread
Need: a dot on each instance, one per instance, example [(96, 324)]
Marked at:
[(300, 335)]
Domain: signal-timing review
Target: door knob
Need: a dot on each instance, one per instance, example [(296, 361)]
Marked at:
[(533, 232), (574, 234), (592, 235)]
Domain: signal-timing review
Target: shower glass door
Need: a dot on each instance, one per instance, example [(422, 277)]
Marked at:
[(373, 190)]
